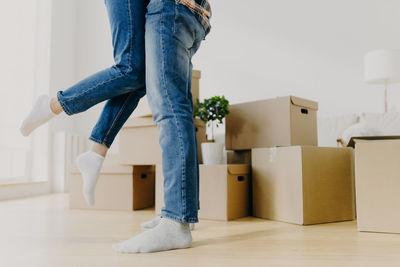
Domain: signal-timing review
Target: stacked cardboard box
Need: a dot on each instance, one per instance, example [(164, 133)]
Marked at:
[(293, 180)]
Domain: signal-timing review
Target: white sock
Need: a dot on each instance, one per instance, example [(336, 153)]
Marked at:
[(151, 224), (154, 222), (89, 164), (168, 234), (40, 114)]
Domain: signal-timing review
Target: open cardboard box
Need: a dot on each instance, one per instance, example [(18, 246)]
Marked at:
[(353, 140)]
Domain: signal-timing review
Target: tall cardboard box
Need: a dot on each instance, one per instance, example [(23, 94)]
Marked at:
[(143, 108), (138, 141), (303, 184), (224, 191), (378, 185), (118, 188), (282, 121)]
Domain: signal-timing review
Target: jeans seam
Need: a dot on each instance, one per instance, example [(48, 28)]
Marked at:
[(182, 219), (94, 87), (116, 119), (99, 141), (131, 37), (62, 104), (183, 206)]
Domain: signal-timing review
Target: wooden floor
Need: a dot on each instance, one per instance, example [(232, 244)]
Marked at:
[(43, 231)]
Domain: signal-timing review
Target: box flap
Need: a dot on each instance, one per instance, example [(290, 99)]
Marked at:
[(355, 139), (235, 169), (304, 102)]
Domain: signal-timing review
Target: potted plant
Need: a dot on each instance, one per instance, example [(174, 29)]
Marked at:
[(212, 110)]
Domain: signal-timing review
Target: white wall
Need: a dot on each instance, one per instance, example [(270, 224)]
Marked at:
[(310, 48), (63, 60)]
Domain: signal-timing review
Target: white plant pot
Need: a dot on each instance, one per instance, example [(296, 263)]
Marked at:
[(212, 153)]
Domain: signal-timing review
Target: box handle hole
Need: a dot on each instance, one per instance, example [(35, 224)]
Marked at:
[(143, 176), (240, 178), (304, 111)]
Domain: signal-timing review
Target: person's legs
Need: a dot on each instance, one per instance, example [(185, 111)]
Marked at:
[(127, 76), (172, 37), (154, 222), (130, 54)]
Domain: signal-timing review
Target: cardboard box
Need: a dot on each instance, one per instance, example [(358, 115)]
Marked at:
[(353, 140), (282, 121), (143, 108), (238, 157), (378, 185), (303, 184), (118, 188), (138, 141), (224, 191)]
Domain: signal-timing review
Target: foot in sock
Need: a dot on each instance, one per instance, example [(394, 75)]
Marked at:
[(167, 235), (89, 164), (154, 222), (40, 114)]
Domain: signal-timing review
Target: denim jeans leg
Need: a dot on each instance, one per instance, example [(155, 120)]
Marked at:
[(115, 113), (127, 20), (171, 34)]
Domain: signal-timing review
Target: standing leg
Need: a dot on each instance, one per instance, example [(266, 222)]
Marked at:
[(172, 37)]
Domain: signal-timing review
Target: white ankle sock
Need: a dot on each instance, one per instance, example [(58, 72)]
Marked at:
[(154, 222), (89, 163), (168, 234), (151, 224), (40, 114)]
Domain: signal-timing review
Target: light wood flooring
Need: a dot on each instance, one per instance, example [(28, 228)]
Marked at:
[(43, 231)]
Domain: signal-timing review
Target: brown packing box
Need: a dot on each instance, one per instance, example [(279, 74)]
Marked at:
[(378, 185), (282, 121), (224, 191), (303, 184), (118, 188), (353, 139), (238, 157), (143, 109), (138, 141)]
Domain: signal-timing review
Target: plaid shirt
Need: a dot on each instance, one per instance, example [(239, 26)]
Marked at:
[(201, 10)]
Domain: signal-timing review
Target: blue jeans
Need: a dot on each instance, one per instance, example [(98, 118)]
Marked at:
[(152, 51), (123, 84)]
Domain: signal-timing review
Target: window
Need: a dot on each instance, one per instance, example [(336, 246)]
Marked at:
[(18, 54)]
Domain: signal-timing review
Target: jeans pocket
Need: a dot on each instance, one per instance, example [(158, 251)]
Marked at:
[(184, 26)]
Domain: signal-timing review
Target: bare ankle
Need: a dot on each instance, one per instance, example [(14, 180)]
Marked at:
[(55, 106), (99, 149)]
